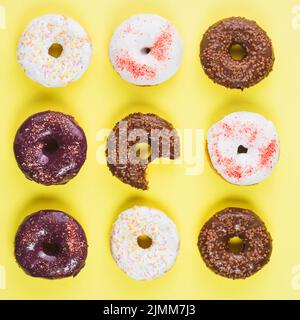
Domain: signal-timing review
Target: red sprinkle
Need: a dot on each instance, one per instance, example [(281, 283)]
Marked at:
[(128, 29), (161, 46), (252, 132), (236, 171), (232, 169), (137, 70), (228, 131), (267, 153)]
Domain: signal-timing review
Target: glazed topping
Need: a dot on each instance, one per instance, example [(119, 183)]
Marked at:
[(54, 50), (144, 243), (146, 50), (243, 147), (50, 148), (50, 244)]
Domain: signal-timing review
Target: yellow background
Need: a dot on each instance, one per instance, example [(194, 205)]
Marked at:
[(189, 100)]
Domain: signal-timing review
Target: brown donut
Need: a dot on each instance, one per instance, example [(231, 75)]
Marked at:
[(214, 238), (218, 63), (134, 129)]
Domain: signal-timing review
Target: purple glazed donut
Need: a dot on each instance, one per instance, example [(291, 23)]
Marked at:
[(50, 148), (50, 244)]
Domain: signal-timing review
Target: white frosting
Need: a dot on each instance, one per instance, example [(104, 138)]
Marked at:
[(133, 63), (39, 36), (253, 132), (139, 263)]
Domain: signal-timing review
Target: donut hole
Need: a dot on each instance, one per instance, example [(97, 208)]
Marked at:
[(145, 50), (241, 149), (144, 241), (51, 249), (237, 52), (235, 245), (50, 146), (143, 150), (55, 50)]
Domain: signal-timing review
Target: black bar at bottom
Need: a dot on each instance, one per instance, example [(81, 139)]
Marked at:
[(131, 309)]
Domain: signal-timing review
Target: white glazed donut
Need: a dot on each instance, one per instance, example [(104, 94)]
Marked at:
[(146, 50), (243, 147), (45, 33), (138, 262)]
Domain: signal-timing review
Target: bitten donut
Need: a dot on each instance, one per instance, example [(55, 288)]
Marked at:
[(50, 244), (146, 50), (50, 148), (132, 131), (243, 148), (144, 243), (54, 50), (216, 52), (230, 223)]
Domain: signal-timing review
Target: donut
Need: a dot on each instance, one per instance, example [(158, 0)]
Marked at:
[(252, 65), (50, 244), (144, 243), (50, 148), (248, 257), (243, 148), (54, 50), (127, 134), (146, 50)]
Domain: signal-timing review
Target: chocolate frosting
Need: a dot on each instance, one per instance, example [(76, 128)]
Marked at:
[(120, 151), (213, 243), (50, 148), (50, 244), (222, 68)]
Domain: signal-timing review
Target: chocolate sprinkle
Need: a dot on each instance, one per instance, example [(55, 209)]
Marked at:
[(216, 59), (50, 244), (50, 148), (213, 243), (120, 147)]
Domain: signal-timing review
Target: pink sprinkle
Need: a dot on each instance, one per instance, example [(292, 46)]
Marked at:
[(161, 46), (267, 153), (128, 29), (136, 69), (227, 129), (236, 171), (252, 132), (232, 170)]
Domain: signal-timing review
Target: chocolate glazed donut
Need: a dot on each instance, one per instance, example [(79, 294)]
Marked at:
[(50, 244), (50, 148), (135, 129), (214, 243), (255, 63)]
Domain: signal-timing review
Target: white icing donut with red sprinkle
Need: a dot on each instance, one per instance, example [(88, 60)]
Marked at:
[(146, 50), (72, 57), (243, 147)]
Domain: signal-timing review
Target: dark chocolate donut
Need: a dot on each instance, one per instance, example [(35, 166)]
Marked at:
[(215, 53), (135, 129), (50, 148), (215, 236), (51, 244)]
